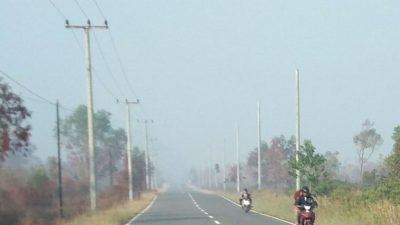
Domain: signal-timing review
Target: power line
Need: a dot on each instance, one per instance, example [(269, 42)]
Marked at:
[(107, 65), (122, 68), (101, 51), (123, 71), (26, 88), (65, 18), (81, 9), (80, 46), (120, 64), (103, 84), (57, 9), (98, 7)]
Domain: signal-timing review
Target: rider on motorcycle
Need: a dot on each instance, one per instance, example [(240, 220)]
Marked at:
[(244, 195), (304, 198)]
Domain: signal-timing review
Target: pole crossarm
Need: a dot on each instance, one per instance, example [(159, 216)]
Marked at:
[(87, 26)]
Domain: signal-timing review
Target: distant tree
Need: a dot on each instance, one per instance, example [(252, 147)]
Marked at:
[(393, 160), (274, 160), (115, 146), (138, 171), (14, 133), (367, 142), (310, 164), (332, 164), (371, 177), (109, 143)]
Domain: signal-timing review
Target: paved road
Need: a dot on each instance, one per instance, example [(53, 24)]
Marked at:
[(193, 208)]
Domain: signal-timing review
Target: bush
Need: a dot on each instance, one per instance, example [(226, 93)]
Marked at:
[(387, 190)]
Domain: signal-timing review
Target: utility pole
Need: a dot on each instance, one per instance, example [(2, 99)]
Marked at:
[(237, 160), (129, 146), (151, 160), (259, 147), (92, 167), (223, 169), (146, 155), (297, 127), (209, 166), (60, 190)]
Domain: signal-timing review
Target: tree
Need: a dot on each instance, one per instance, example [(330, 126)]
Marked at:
[(109, 143), (14, 133), (310, 164), (332, 164), (274, 160), (393, 160), (275, 172), (366, 141)]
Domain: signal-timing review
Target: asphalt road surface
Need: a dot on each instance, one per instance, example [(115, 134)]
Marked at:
[(193, 208)]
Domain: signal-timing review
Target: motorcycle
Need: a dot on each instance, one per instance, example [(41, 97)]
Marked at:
[(246, 205), (307, 215)]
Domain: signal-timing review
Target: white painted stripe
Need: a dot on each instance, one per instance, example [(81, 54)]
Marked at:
[(143, 211), (217, 222), (262, 214), (206, 213), (211, 217)]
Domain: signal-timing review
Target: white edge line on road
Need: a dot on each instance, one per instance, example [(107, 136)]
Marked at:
[(217, 222), (143, 211), (262, 214)]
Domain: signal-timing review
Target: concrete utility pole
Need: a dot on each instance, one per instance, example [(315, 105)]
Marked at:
[(297, 127), (259, 147), (146, 155), (92, 166), (237, 160), (129, 146), (223, 169), (209, 166), (60, 190)]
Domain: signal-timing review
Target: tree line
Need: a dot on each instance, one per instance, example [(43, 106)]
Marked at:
[(29, 187)]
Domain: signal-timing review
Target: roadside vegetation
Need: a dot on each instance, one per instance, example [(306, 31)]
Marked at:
[(359, 194), (334, 210), (117, 214), (29, 190)]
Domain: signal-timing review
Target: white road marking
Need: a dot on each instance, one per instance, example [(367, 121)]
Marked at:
[(262, 214), (143, 211), (206, 213)]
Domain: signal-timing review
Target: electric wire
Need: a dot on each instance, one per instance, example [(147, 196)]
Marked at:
[(121, 65), (122, 68), (81, 9), (81, 47), (26, 88), (57, 9), (114, 49), (107, 65), (98, 8)]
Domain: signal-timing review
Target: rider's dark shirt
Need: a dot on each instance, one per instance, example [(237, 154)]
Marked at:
[(307, 200)]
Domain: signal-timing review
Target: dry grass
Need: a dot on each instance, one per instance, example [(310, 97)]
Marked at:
[(115, 215), (329, 212)]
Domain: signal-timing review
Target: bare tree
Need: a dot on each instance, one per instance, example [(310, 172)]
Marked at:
[(367, 142)]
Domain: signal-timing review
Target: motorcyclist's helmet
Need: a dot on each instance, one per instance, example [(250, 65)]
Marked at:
[(305, 190), (245, 190)]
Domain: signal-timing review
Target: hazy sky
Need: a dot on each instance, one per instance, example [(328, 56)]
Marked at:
[(200, 66)]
